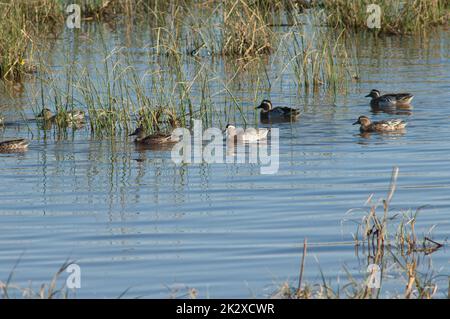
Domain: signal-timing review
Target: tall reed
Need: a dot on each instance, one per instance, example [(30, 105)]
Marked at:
[(397, 17)]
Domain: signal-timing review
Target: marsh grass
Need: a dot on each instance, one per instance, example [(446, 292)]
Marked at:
[(389, 240), (20, 23), (318, 63), (245, 31), (50, 290), (26, 23), (397, 17), (118, 95), (238, 28)]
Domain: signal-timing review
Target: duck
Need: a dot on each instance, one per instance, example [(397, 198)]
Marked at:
[(69, 117), (381, 126), (249, 135), (279, 113), (143, 139), (15, 145), (389, 100)]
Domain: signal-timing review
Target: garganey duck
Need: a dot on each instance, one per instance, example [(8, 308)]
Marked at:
[(389, 100), (69, 117), (382, 126), (143, 139), (249, 135), (17, 145), (279, 113)]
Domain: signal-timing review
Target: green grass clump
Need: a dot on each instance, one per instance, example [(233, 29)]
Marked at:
[(20, 22), (397, 17), (245, 32)]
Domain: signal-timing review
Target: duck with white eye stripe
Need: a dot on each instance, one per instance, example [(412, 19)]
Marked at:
[(389, 100), (277, 114)]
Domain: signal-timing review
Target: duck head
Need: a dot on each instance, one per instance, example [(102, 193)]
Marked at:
[(45, 114), (363, 121), (230, 130), (266, 105), (374, 94), (139, 133)]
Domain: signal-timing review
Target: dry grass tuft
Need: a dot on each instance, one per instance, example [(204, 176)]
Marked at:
[(245, 32), (397, 17)]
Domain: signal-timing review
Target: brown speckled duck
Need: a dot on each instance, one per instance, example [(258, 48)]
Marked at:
[(17, 145), (381, 126), (70, 117), (159, 138)]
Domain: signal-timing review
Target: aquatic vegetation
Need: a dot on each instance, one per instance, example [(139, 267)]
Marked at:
[(385, 244), (118, 96), (397, 17), (9, 290), (20, 22), (245, 32)]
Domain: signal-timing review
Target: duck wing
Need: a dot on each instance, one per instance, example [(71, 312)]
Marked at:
[(14, 144), (159, 138), (398, 96), (389, 125), (285, 111)]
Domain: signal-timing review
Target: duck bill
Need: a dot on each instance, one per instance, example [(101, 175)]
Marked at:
[(357, 122), (133, 134), (258, 107), (368, 95)]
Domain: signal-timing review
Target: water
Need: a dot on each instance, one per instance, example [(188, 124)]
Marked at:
[(133, 219)]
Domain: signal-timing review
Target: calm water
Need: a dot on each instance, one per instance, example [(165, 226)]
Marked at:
[(134, 219)]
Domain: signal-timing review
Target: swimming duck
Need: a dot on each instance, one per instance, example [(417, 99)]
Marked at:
[(249, 135), (278, 113), (382, 126), (70, 117), (20, 144), (389, 100), (159, 138)]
